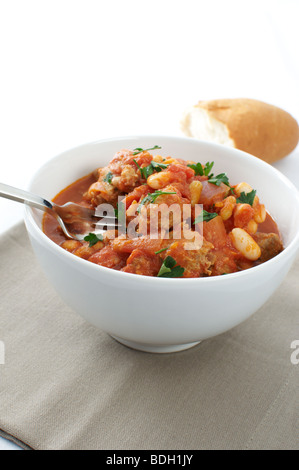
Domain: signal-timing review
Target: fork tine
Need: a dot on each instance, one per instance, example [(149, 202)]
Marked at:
[(85, 211), (105, 217), (99, 224)]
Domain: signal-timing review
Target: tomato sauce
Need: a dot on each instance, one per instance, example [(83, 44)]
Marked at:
[(73, 193)]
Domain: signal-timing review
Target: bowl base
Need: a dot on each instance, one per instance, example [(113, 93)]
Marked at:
[(160, 349)]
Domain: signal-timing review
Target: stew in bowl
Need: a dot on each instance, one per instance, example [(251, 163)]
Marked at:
[(180, 219)]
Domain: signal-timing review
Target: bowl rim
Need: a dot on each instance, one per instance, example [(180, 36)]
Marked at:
[(289, 251)]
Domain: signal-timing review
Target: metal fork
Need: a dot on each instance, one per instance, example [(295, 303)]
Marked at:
[(76, 221)]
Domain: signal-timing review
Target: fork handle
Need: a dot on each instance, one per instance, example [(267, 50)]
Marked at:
[(25, 197)]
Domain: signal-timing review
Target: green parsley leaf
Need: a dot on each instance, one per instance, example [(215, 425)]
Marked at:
[(217, 180), (221, 178), (198, 168), (108, 177), (151, 198), (139, 150), (169, 268), (159, 166), (159, 193), (202, 171), (160, 251), (92, 238), (247, 198), (207, 169), (146, 171), (205, 216), (149, 170), (138, 166)]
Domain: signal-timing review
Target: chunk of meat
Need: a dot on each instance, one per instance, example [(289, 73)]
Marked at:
[(225, 261), (148, 245), (120, 176), (196, 263), (270, 245), (87, 251), (136, 195), (158, 218), (71, 245), (101, 192), (82, 250), (139, 262), (211, 193), (127, 157), (128, 179), (109, 258)]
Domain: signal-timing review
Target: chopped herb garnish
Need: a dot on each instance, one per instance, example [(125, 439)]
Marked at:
[(169, 268), (207, 169), (202, 170), (221, 178), (149, 170), (159, 166), (160, 251), (92, 238), (151, 198), (139, 150), (198, 168), (205, 216), (138, 166), (146, 171), (108, 177), (247, 198), (217, 180)]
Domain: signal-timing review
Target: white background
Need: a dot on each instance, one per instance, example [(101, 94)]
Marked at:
[(77, 71)]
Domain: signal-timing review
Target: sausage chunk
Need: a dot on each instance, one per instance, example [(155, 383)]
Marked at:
[(270, 245)]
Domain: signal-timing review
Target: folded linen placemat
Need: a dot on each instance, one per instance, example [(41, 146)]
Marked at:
[(68, 385)]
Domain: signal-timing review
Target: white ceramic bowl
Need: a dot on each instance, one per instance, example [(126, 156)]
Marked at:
[(160, 314)]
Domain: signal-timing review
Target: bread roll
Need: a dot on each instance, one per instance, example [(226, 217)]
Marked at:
[(261, 129)]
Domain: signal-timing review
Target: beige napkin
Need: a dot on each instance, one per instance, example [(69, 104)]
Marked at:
[(68, 385)]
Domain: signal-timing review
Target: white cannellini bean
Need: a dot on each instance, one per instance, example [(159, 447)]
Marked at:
[(159, 180), (158, 158), (252, 227), (242, 188), (260, 214), (227, 210), (245, 244), (195, 192)]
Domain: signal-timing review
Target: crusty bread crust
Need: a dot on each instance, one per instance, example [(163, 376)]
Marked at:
[(261, 129)]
